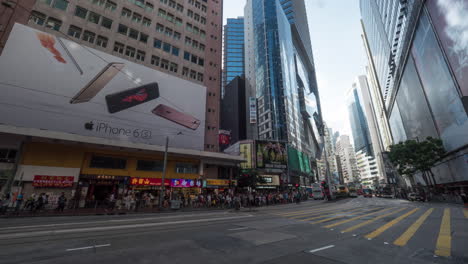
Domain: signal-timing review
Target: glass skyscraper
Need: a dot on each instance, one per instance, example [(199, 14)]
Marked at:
[(233, 50), (358, 120)]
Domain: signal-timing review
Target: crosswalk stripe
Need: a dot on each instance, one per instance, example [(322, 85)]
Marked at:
[(465, 212), (337, 217), (395, 221), (355, 218), (316, 213), (326, 215), (305, 211), (409, 233), (444, 241), (372, 220)]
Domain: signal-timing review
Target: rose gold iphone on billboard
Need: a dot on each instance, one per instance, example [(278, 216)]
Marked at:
[(178, 117), (97, 83)]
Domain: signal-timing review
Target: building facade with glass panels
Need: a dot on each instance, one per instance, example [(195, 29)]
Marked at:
[(428, 96), (233, 50), (358, 121)]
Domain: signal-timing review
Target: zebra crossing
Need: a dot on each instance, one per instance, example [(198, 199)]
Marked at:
[(400, 224)]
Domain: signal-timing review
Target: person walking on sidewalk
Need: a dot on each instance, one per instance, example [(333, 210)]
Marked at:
[(19, 201), (62, 201)]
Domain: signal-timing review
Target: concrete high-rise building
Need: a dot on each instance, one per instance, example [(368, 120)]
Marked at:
[(347, 157), (358, 119), (233, 50), (368, 169), (414, 50)]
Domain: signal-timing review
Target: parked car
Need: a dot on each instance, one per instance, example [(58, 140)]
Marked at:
[(414, 197), (367, 193)]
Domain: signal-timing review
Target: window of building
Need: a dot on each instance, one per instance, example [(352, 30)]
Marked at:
[(133, 33), (203, 8), (167, 47), (201, 47), (186, 168), (170, 17), (8, 155), (165, 64), (119, 47), (157, 43), (186, 56), (200, 77), (126, 12), (189, 13), (143, 38), (201, 62), (180, 8), (130, 52), (159, 28), (185, 71), (193, 74), (173, 67), (161, 13), (194, 59), (177, 35), (37, 18), (74, 31), (188, 41), (140, 55), (149, 7), (111, 5), (202, 33), (89, 36), (146, 22), (93, 17), (196, 17), (81, 12), (103, 162), (60, 4), (178, 21), (175, 51), (203, 20), (168, 32), (106, 22), (98, 2), (53, 23), (189, 27), (122, 29), (136, 17), (140, 3), (172, 3), (155, 60), (102, 41), (150, 165)]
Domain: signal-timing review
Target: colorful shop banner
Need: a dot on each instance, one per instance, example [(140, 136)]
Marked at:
[(53, 181), (186, 183), (149, 181), (271, 155), (218, 182)]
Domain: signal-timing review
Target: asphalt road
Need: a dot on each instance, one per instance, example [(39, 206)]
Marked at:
[(359, 230)]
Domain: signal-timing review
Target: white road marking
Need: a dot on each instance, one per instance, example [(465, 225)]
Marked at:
[(107, 228), (322, 248), (95, 246), (239, 228)]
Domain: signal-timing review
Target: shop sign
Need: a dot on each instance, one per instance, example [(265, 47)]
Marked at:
[(253, 110), (53, 181), (246, 152), (137, 181), (218, 182), (186, 183)]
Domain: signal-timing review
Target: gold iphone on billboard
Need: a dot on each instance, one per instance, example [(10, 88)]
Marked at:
[(97, 83), (178, 117)]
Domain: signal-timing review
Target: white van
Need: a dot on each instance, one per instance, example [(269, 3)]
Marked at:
[(317, 191)]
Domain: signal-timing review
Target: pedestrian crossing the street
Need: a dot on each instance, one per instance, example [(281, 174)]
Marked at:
[(397, 225)]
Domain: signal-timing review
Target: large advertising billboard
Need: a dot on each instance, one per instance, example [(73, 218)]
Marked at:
[(54, 84), (271, 155)]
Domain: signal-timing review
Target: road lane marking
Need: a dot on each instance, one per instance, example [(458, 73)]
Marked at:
[(371, 220), (322, 248), (317, 213), (444, 241), (355, 218), (395, 221), (337, 217), (326, 215), (82, 248), (465, 212), (409, 233), (117, 227), (239, 228), (321, 209)]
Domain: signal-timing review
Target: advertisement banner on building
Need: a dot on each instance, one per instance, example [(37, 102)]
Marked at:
[(54, 84), (253, 110), (245, 150), (224, 137), (271, 155), (53, 181), (218, 183), (137, 181), (186, 183)]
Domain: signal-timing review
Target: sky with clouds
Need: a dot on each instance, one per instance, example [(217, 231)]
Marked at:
[(339, 54)]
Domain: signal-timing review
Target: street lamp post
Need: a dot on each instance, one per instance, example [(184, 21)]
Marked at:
[(163, 187)]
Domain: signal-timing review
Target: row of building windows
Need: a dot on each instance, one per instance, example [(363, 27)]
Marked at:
[(198, 5), (145, 5), (129, 51), (41, 20), (173, 4), (135, 17), (164, 64), (168, 31), (196, 30), (109, 5), (194, 44), (166, 47), (197, 17), (59, 4), (88, 36), (193, 58), (192, 74), (170, 17), (93, 17), (132, 33)]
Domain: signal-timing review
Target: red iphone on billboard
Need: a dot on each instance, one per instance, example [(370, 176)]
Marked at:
[(119, 101), (97, 83), (178, 117)]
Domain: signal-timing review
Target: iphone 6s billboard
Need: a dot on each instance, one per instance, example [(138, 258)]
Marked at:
[(52, 83)]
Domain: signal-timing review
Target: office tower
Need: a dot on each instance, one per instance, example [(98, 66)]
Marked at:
[(347, 157), (233, 50), (368, 170), (233, 110), (358, 120), (415, 52)]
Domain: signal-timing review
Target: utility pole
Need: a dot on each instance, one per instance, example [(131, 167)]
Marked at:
[(163, 187)]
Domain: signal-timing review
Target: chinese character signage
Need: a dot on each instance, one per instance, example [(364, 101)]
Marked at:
[(218, 182), (148, 181), (253, 110), (245, 151), (53, 181), (271, 155), (186, 183)]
